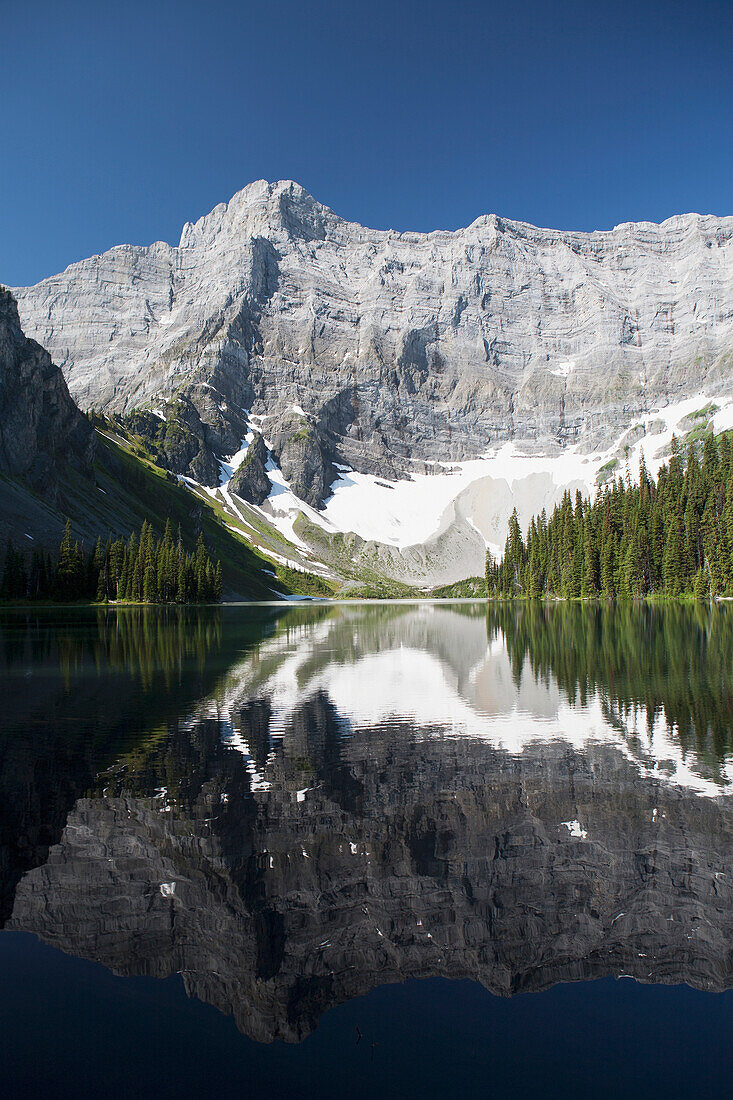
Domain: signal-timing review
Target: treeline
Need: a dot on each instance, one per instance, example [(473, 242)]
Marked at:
[(672, 536), (142, 569)]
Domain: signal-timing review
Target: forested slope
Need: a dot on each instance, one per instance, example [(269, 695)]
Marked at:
[(672, 535)]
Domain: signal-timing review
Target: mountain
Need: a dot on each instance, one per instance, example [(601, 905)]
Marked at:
[(42, 432), (409, 389), (53, 466)]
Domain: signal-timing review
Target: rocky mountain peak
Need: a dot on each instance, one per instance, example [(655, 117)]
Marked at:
[(400, 350), (263, 209)]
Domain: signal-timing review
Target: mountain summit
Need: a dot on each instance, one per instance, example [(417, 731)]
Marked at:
[(385, 353)]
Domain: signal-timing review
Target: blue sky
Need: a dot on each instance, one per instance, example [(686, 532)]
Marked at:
[(119, 122)]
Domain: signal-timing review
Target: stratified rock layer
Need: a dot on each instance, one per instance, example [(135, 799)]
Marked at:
[(41, 429), (400, 347)]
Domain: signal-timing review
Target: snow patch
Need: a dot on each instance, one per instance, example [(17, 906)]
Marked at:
[(229, 466), (409, 511), (575, 829), (284, 507)]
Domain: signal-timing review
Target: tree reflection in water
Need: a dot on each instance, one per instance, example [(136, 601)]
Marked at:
[(290, 807)]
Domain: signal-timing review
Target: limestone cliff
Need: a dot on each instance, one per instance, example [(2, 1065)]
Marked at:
[(41, 429), (396, 347)]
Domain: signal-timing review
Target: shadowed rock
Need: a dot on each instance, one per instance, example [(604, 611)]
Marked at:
[(41, 429), (250, 481)]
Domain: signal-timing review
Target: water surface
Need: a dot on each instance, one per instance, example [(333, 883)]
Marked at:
[(340, 848)]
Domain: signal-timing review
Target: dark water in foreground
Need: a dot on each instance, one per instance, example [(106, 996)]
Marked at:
[(344, 850)]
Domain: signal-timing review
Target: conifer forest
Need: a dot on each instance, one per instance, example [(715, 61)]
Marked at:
[(141, 569), (669, 536)]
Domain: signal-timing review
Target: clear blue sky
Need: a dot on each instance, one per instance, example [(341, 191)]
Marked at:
[(121, 121)]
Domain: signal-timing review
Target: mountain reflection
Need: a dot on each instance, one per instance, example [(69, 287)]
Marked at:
[(366, 794)]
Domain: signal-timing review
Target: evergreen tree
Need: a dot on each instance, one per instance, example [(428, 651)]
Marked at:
[(701, 590), (143, 570), (14, 581), (672, 536)]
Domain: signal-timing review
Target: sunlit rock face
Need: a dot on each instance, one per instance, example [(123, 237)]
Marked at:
[(310, 830), (392, 348)]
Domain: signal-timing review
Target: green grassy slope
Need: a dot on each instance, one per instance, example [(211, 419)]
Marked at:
[(127, 489)]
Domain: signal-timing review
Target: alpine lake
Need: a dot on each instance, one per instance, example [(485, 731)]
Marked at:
[(357, 849)]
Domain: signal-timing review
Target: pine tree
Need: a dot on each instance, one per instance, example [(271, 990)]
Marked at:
[(143, 569), (672, 561), (634, 539), (608, 568), (200, 570), (701, 588), (14, 584), (70, 568)]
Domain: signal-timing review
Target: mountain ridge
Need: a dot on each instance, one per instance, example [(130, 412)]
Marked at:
[(390, 354), (493, 219)]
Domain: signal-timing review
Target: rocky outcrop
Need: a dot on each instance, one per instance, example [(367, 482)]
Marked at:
[(250, 480), (302, 451), (401, 348), (180, 440), (41, 429)]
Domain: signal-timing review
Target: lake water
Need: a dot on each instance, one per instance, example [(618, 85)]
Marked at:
[(339, 850)]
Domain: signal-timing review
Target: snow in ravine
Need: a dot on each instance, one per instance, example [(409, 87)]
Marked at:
[(411, 511)]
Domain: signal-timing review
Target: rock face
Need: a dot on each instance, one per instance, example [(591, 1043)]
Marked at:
[(399, 348), (302, 452), (40, 426), (250, 481)]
